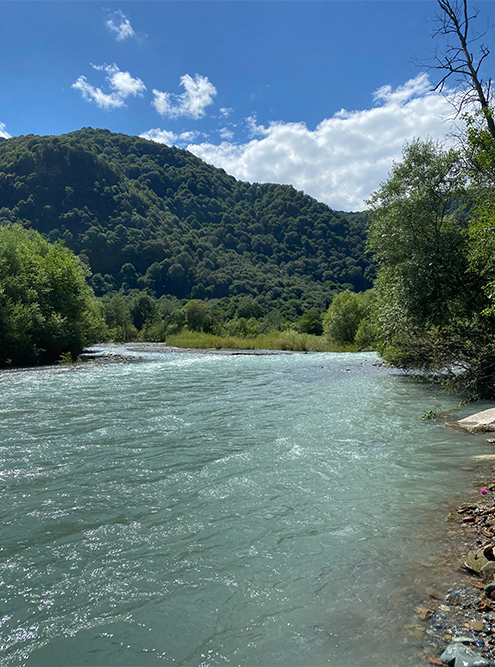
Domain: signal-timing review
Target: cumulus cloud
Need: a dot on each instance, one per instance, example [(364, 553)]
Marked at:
[(169, 138), (119, 24), (346, 156), (121, 83), (199, 93), (3, 132)]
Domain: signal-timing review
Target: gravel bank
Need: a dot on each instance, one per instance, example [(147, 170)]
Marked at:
[(460, 611)]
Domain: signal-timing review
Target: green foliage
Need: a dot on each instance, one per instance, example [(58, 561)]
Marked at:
[(431, 310), (482, 223), (202, 316), (429, 415), (249, 308), (118, 318), (243, 328), (366, 335), (144, 311), (47, 311), (145, 216), (311, 322), (197, 316), (65, 359), (288, 340), (418, 235), (344, 317)]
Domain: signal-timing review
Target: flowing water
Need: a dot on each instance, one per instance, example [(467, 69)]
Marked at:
[(212, 509)]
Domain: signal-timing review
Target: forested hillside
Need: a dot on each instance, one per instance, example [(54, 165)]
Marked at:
[(145, 215)]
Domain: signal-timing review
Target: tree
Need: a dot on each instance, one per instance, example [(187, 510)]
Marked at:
[(418, 236), (430, 299), (310, 322), (144, 311), (344, 316), (458, 61), (46, 307), (198, 317)]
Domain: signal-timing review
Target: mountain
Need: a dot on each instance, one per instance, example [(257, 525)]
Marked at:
[(145, 215)]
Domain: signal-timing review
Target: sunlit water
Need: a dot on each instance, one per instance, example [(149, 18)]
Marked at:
[(205, 509)]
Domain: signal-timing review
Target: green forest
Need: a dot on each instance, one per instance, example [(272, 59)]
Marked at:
[(146, 216)]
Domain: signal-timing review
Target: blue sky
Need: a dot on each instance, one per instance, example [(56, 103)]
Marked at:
[(321, 95)]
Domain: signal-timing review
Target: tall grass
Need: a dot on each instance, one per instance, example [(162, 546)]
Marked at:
[(276, 340)]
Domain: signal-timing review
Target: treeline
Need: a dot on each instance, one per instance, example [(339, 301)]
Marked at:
[(48, 313), (140, 316), (150, 217)]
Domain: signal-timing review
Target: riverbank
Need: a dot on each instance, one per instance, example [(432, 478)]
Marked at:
[(288, 340), (459, 611)]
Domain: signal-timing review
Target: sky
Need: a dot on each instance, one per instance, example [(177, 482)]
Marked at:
[(320, 94)]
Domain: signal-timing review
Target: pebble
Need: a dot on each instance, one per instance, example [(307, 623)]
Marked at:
[(477, 626)]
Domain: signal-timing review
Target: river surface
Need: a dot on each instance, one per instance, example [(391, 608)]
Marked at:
[(207, 509)]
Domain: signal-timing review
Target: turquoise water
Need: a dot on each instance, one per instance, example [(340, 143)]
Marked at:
[(207, 509)]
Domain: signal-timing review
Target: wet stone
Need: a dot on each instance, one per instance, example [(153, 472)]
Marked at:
[(462, 656)]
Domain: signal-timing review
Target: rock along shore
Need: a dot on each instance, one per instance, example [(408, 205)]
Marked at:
[(461, 621)]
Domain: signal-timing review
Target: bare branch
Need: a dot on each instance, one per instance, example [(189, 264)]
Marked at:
[(458, 61)]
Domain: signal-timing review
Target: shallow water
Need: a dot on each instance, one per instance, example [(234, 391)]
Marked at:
[(205, 509)]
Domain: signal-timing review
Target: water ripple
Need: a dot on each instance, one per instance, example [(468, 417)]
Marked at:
[(198, 509)]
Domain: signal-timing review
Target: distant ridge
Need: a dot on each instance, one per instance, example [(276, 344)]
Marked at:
[(145, 215)]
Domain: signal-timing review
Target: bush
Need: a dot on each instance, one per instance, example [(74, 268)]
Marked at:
[(46, 308), (344, 316), (365, 337), (311, 322)]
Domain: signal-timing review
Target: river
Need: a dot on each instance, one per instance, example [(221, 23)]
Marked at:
[(210, 509)]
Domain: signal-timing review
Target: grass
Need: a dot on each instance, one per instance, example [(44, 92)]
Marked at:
[(276, 340)]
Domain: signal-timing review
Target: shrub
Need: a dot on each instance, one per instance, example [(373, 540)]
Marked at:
[(46, 308)]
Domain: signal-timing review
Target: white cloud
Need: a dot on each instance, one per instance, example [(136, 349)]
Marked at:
[(3, 132), (345, 157), (417, 87), (169, 138), (122, 84), (103, 100), (225, 133), (226, 111), (255, 129), (199, 93), (119, 24)]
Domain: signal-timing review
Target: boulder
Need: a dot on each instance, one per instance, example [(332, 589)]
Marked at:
[(478, 423), (462, 656)]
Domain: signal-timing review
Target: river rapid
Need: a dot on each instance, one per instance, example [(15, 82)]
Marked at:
[(206, 509)]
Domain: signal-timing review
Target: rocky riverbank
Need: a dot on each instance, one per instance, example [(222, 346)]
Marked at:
[(459, 622)]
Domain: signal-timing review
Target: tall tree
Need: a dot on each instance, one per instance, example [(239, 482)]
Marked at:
[(417, 233)]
